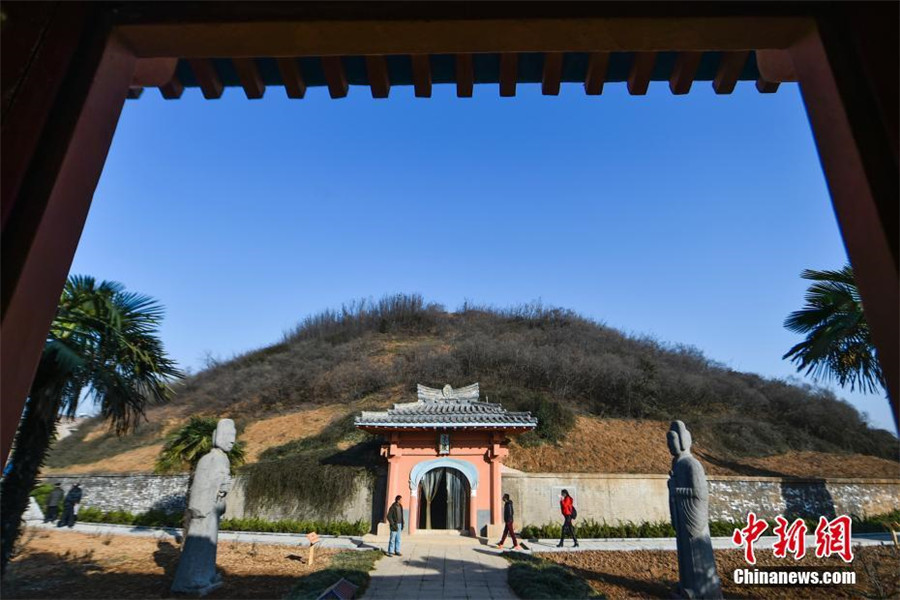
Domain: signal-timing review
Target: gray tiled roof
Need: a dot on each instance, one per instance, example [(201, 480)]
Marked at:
[(447, 408)]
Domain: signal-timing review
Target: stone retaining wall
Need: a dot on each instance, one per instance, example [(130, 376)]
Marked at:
[(139, 493), (134, 493), (603, 497), (617, 498)]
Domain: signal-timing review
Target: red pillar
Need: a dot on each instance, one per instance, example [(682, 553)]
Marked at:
[(44, 212), (840, 67)]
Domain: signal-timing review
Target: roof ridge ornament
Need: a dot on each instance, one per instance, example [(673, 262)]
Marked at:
[(465, 394)]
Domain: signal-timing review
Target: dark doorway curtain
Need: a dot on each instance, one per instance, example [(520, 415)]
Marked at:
[(444, 499)]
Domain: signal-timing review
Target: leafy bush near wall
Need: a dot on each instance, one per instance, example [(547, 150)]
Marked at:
[(594, 529), (293, 526), (40, 493), (151, 518), (313, 472), (155, 518)]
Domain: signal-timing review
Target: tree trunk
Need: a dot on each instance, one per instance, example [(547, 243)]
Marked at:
[(36, 432), (30, 448)]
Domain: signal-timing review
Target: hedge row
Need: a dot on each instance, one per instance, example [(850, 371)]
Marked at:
[(162, 519), (593, 529)]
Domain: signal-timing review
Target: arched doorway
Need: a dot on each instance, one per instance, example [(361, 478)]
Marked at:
[(443, 499)]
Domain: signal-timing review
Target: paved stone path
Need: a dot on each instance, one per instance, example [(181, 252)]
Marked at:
[(441, 568)]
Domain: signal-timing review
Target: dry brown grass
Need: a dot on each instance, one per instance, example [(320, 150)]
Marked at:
[(276, 431), (637, 446), (654, 574), (139, 460)]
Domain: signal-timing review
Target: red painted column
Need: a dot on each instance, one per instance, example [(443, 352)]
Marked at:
[(836, 82), (46, 215)]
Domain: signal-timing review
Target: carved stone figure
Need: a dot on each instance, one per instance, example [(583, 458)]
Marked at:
[(196, 572), (689, 505)]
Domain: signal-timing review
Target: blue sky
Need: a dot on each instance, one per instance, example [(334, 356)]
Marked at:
[(688, 218)]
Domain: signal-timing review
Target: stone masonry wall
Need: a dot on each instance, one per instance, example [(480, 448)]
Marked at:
[(140, 493), (602, 497), (134, 493), (616, 498), (733, 497)]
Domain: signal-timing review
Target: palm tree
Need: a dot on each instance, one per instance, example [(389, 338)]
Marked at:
[(186, 446), (837, 345), (103, 341)]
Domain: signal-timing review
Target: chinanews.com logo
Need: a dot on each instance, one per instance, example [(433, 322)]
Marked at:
[(832, 538)]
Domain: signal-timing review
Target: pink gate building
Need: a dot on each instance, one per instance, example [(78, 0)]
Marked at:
[(444, 455)]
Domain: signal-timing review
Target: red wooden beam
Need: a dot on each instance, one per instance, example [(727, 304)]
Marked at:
[(292, 77), (207, 77), (596, 73), (766, 87), (465, 76), (684, 71), (730, 67), (509, 73), (641, 69), (421, 70), (173, 89), (42, 232), (38, 45), (379, 78), (861, 169), (335, 76), (552, 75), (250, 78)]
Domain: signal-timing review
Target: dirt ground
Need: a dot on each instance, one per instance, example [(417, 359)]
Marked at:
[(638, 446), (654, 574), (64, 564)]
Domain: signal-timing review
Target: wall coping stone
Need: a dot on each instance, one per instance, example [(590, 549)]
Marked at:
[(786, 479)]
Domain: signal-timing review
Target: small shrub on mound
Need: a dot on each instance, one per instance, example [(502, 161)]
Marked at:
[(533, 577), (555, 419)]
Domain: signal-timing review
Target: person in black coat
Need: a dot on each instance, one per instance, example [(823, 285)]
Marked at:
[(73, 498), (508, 516)]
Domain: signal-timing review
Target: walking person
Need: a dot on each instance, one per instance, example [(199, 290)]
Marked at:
[(508, 516), (70, 504), (53, 501), (567, 507), (396, 522)]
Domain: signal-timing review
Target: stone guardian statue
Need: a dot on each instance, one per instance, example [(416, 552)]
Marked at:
[(689, 505), (196, 572)]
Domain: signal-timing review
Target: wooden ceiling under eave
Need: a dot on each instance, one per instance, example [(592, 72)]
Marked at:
[(501, 71)]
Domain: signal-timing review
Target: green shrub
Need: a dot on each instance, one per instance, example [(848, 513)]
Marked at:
[(186, 445), (555, 419), (537, 578), (40, 493), (589, 528), (297, 473), (294, 526)]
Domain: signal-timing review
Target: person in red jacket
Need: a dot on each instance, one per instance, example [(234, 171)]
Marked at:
[(567, 507)]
